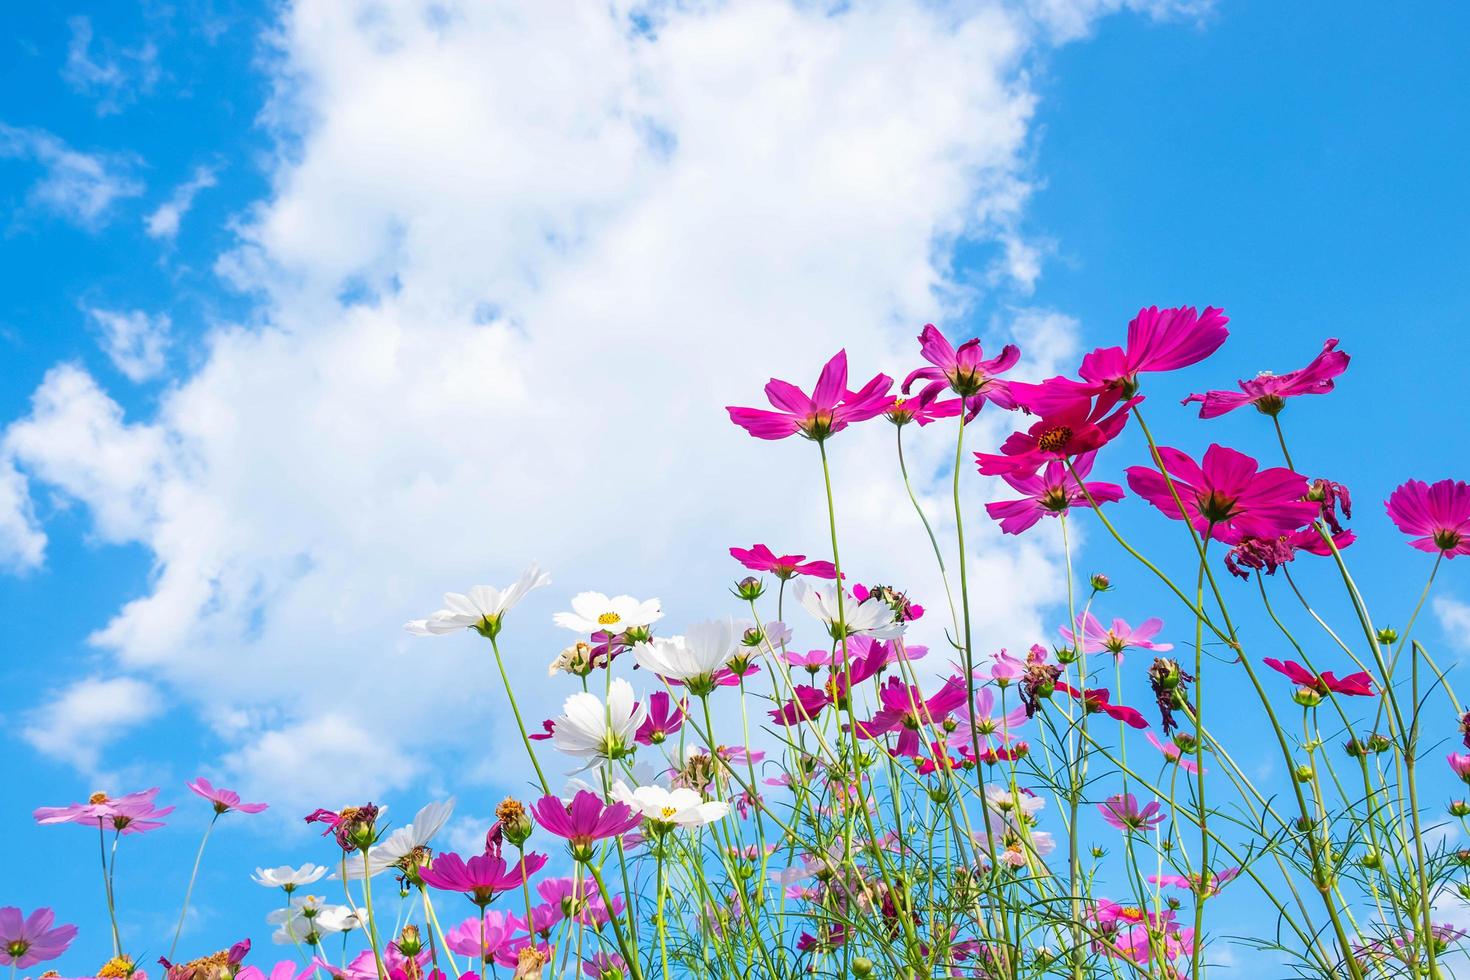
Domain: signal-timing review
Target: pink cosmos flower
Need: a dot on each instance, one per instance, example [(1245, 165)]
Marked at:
[(1158, 340), (605, 965), (1229, 496), (1356, 685), (283, 970), (1096, 699), (1439, 514), (480, 878), (813, 660), (991, 729), (963, 370), (579, 901), (829, 409), (1213, 882), (1123, 813), (904, 709), (1460, 763), (584, 821), (759, 558), (1269, 554), (1173, 753), (26, 940), (224, 800), (1117, 637), (665, 717), (923, 408), (133, 813), (1268, 392), (1068, 426), (1048, 493), (481, 937)]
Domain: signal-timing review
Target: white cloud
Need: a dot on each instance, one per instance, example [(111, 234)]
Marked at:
[(133, 340), (78, 187), (511, 270), (1454, 620), (113, 78), (78, 724), (22, 542), (164, 221)]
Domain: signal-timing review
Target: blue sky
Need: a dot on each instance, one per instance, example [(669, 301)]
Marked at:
[(1298, 165)]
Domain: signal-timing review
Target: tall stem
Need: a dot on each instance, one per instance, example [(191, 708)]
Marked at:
[(188, 892), (515, 710), (107, 888)]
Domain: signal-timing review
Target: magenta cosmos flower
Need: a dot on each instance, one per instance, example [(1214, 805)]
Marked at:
[(480, 878), (759, 558), (1355, 685), (224, 800), (665, 717), (584, 821), (1439, 514), (829, 408), (923, 408), (1070, 424), (904, 709), (1228, 495), (1048, 493), (1269, 392), (26, 940), (1096, 699), (1158, 340), (1460, 763), (1118, 637), (964, 370), (1123, 813)]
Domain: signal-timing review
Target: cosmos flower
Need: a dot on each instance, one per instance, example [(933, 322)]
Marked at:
[(1117, 637), (1460, 763), (1049, 493), (402, 844), (1356, 685), (480, 878), (1173, 753), (925, 407), (964, 370), (665, 717), (904, 709), (481, 609), (1123, 813), (693, 658), (830, 408), (30, 939), (584, 821), (664, 808), (812, 661), (1095, 699), (1069, 425), (1439, 514), (991, 729), (759, 558), (1268, 392), (1212, 886), (1268, 554), (132, 813), (1227, 495), (224, 800), (1158, 340), (591, 730), (482, 936), (288, 878), (872, 618), (594, 612)]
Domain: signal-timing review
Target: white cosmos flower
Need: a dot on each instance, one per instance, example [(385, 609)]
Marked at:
[(592, 730), (679, 807), (593, 611), (703, 649), (873, 618), (480, 609), (337, 918), (402, 842), (288, 877)]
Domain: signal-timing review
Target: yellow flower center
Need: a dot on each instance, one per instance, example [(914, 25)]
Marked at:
[(608, 619), (667, 812), (118, 966), (96, 798), (1053, 439)]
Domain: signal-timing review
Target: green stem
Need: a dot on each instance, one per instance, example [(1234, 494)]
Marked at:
[(520, 724), (188, 892)]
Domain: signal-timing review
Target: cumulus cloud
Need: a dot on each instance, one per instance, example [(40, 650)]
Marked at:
[(163, 222), (113, 77), (133, 340), (1454, 620), (75, 186), (78, 724), (510, 271), (22, 542)]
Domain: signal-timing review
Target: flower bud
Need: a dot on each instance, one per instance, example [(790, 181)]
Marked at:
[(862, 966), (409, 941), (1307, 697), (749, 588), (1388, 636), (1303, 774), (1100, 582), (1378, 743), (515, 822), (1066, 655), (1459, 808), (1462, 856), (1186, 742), (1371, 860)]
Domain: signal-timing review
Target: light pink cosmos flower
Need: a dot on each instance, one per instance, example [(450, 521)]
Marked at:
[(1123, 813), (1212, 886), (1049, 493), (1460, 763), (813, 660), (759, 558), (1118, 637), (991, 729), (131, 813), (1228, 495), (1439, 514), (828, 410), (481, 937), (1158, 340), (224, 800), (1268, 392), (1173, 753), (964, 370), (31, 939)]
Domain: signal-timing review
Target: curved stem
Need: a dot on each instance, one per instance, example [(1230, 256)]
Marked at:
[(188, 892)]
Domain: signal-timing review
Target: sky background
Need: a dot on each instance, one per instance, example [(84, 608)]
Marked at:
[(316, 311)]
